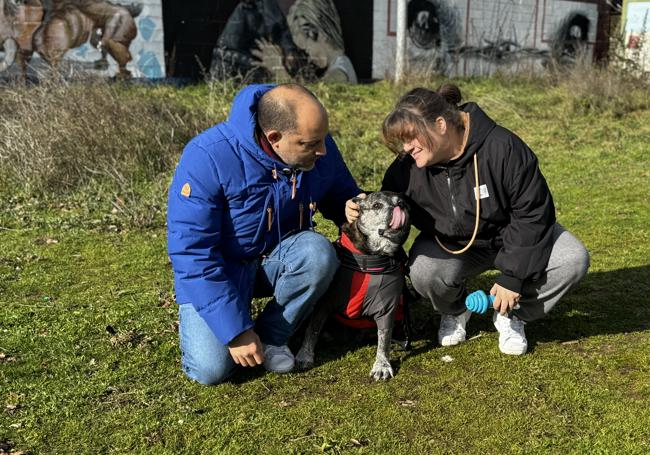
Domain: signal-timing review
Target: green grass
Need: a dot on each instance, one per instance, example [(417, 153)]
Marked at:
[(90, 358)]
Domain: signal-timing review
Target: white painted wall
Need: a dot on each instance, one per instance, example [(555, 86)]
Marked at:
[(531, 24)]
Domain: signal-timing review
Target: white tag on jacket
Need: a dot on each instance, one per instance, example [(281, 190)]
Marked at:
[(482, 192)]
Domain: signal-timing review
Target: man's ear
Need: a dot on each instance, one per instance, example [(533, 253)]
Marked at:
[(274, 136)]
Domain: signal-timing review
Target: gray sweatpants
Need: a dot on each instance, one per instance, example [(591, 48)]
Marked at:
[(440, 276)]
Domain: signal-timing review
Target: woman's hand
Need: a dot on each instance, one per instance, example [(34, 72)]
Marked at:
[(352, 208), (505, 299)]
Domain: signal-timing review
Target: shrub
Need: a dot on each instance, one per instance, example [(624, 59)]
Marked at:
[(58, 136), (594, 88)]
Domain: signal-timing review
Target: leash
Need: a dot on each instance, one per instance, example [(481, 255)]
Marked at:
[(478, 209)]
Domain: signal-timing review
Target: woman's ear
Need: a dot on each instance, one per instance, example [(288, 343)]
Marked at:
[(441, 125)]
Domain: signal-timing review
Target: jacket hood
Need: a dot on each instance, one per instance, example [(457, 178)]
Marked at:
[(242, 120), (480, 126)]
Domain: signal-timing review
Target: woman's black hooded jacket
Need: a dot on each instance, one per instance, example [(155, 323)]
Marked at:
[(517, 212)]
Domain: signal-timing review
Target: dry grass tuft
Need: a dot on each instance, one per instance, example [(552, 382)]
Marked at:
[(617, 88), (59, 136)]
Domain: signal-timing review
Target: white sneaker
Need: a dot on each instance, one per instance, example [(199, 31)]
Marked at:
[(452, 328), (278, 359), (512, 339)]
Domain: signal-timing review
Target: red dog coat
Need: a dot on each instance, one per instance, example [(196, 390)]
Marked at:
[(368, 289)]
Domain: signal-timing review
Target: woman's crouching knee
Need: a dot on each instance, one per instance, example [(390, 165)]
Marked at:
[(577, 265), (431, 277)]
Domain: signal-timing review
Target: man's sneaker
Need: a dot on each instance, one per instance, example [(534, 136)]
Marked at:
[(278, 359), (452, 328), (512, 339)]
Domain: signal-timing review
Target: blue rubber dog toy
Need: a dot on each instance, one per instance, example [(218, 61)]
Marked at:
[(478, 302)]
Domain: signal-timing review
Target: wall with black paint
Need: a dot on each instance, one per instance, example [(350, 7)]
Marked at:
[(480, 37)]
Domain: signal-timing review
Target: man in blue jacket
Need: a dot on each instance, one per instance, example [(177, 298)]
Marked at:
[(240, 210)]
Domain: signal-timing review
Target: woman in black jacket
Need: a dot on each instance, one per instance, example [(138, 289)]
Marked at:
[(480, 202)]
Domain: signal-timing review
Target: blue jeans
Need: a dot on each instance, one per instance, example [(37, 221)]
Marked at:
[(296, 273)]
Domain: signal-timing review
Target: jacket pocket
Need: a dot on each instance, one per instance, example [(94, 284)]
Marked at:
[(266, 222)]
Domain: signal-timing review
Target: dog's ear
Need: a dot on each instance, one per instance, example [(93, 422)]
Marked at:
[(358, 238)]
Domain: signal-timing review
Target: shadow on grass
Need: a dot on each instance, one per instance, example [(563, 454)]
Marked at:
[(604, 303)]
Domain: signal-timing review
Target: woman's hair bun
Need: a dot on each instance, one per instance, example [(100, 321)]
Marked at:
[(451, 93)]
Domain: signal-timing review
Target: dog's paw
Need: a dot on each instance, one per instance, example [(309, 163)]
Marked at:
[(381, 370), (304, 360)]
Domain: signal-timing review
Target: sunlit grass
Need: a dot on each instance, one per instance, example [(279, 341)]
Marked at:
[(89, 358)]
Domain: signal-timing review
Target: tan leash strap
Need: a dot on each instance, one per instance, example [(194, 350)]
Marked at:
[(477, 195)]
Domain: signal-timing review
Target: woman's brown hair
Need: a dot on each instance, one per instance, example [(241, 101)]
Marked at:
[(416, 112)]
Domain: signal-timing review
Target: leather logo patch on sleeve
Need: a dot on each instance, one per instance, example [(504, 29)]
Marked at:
[(186, 190)]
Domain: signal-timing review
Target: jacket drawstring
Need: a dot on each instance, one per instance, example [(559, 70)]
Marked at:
[(276, 191), (293, 184), (312, 211), (301, 208)]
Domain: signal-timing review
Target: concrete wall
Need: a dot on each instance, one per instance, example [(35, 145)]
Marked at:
[(479, 37)]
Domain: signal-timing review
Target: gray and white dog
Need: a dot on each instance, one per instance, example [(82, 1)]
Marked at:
[(371, 246)]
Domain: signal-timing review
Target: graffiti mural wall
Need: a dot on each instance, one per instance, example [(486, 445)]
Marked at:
[(636, 32), (313, 40), (270, 39), (479, 37), (97, 36)]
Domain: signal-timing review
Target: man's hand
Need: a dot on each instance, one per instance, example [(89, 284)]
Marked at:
[(505, 299), (352, 208), (246, 349)]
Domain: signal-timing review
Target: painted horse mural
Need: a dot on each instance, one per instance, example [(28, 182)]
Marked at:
[(66, 24), (18, 21)]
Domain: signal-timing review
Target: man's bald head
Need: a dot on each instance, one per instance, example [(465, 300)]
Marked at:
[(295, 123), (280, 108)]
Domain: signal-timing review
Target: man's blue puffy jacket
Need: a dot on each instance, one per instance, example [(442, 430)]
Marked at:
[(218, 214)]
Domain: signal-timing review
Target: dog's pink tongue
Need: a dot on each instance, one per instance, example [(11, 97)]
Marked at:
[(398, 218)]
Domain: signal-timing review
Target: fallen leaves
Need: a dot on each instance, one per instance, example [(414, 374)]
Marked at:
[(408, 403), (4, 358), (123, 338)]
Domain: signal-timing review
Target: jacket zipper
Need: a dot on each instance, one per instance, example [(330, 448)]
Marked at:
[(453, 202)]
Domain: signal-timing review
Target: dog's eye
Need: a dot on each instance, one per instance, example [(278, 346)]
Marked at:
[(377, 206)]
